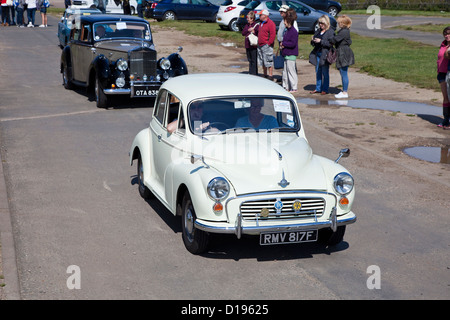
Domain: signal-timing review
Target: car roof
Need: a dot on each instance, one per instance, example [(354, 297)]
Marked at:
[(111, 17), (82, 10), (204, 85)]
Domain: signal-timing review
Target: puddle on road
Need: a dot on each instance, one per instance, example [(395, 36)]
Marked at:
[(430, 154), (389, 105)]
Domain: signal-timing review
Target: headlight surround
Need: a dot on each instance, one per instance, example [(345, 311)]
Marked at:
[(164, 64), (122, 64), (218, 188), (343, 183)]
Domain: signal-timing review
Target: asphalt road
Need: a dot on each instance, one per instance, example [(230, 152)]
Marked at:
[(73, 201)]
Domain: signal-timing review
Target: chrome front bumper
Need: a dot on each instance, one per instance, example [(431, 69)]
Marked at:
[(239, 228)]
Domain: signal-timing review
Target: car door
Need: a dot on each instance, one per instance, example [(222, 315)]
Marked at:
[(201, 9), (273, 7), (165, 144), (83, 55)]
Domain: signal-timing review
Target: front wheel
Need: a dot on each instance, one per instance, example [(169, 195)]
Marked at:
[(143, 190), (66, 80), (195, 240), (330, 238), (100, 97)]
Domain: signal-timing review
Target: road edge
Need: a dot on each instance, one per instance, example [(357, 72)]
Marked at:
[(8, 260)]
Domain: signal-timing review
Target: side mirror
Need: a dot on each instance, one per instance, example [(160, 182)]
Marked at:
[(344, 153), (196, 157)]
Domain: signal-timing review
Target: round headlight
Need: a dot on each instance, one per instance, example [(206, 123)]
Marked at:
[(120, 81), (343, 183), (122, 65), (218, 188), (164, 64)]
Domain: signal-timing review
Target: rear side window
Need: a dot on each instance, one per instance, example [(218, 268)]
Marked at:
[(160, 110)]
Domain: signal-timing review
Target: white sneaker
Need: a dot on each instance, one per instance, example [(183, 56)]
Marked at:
[(30, 25), (341, 95), (41, 26)]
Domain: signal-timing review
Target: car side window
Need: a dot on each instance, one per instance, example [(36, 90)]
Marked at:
[(274, 5), (85, 33), (161, 106)]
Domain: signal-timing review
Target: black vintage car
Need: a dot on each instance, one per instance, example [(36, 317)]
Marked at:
[(115, 55)]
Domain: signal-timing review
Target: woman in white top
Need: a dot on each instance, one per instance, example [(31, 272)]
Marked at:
[(31, 11)]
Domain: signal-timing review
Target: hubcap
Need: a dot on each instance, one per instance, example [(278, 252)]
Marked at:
[(189, 225)]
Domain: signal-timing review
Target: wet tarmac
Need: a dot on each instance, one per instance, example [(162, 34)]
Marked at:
[(430, 154)]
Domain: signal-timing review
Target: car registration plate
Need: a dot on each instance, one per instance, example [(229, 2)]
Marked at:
[(296, 236), (145, 91)]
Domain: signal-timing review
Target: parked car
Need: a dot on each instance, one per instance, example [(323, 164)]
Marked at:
[(228, 153), (185, 10), (229, 13), (113, 6), (332, 7), (69, 18), (149, 5), (307, 17), (115, 55)]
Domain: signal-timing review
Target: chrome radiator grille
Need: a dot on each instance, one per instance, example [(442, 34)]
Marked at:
[(143, 62), (257, 209)]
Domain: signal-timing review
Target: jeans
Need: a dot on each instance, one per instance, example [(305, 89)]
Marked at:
[(322, 75), (252, 57), (31, 13), (19, 18), (140, 10), (344, 77)]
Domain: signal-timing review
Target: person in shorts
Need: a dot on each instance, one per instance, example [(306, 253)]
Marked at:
[(266, 38), (43, 11)]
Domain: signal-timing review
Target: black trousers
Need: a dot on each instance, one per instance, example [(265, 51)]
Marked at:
[(252, 57)]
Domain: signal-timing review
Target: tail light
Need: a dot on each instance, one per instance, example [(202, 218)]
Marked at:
[(229, 8)]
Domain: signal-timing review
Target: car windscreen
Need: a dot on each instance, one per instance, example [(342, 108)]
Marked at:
[(242, 114), (121, 29)]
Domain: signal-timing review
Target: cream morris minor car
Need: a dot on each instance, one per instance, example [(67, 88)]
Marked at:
[(228, 153)]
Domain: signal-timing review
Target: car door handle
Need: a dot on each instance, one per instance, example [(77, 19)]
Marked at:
[(93, 50), (159, 138)]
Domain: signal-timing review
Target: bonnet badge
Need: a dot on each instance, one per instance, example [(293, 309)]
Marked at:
[(283, 183)]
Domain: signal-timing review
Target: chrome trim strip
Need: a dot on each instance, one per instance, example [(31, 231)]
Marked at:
[(117, 91)]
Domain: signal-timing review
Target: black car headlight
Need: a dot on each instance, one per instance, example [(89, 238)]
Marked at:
[(122, 64), (164, 64), (218, 189), (343, 183)]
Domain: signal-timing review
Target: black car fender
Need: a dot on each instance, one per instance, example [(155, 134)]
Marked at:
[(100, 68), (177, 64)]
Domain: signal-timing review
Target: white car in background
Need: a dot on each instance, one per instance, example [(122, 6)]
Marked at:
[(229, 13), (111, 7)]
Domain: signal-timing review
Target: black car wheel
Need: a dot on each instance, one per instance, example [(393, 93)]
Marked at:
[(330, 238), (170, 15), (100, 97), (66, 80), (195, 240), (143, 190)]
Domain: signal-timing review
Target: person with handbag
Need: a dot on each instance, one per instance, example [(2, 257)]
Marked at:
[(318, 56), (289, 50), (345, 56), (250, 32)]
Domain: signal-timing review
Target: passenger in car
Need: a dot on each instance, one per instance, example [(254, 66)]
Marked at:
[(255, 119)]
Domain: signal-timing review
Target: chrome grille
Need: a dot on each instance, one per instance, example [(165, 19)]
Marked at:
[(143, 62), (251, 210)]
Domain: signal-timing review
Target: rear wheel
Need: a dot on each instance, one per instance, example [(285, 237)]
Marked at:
[(195, 240), (170, 15), (66, 80), (333, 11), (233, 25)]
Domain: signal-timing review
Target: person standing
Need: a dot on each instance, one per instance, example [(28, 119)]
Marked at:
[(67, 3), (19, 10), (281, 28), (266, 38), (289, 50), (140, 9), (5, 13), (43, 10), (31, 12), (318, 56), (101, 5), (442, 69), (345, 56), (252, 51), (126, 7)]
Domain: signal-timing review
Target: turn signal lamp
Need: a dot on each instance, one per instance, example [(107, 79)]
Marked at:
[(344, 201), (218, 207)]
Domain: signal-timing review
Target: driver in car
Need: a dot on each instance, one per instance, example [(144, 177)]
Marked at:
[(255, 119)]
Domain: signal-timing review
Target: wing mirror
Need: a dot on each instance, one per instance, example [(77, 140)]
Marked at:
[(344, 153)]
